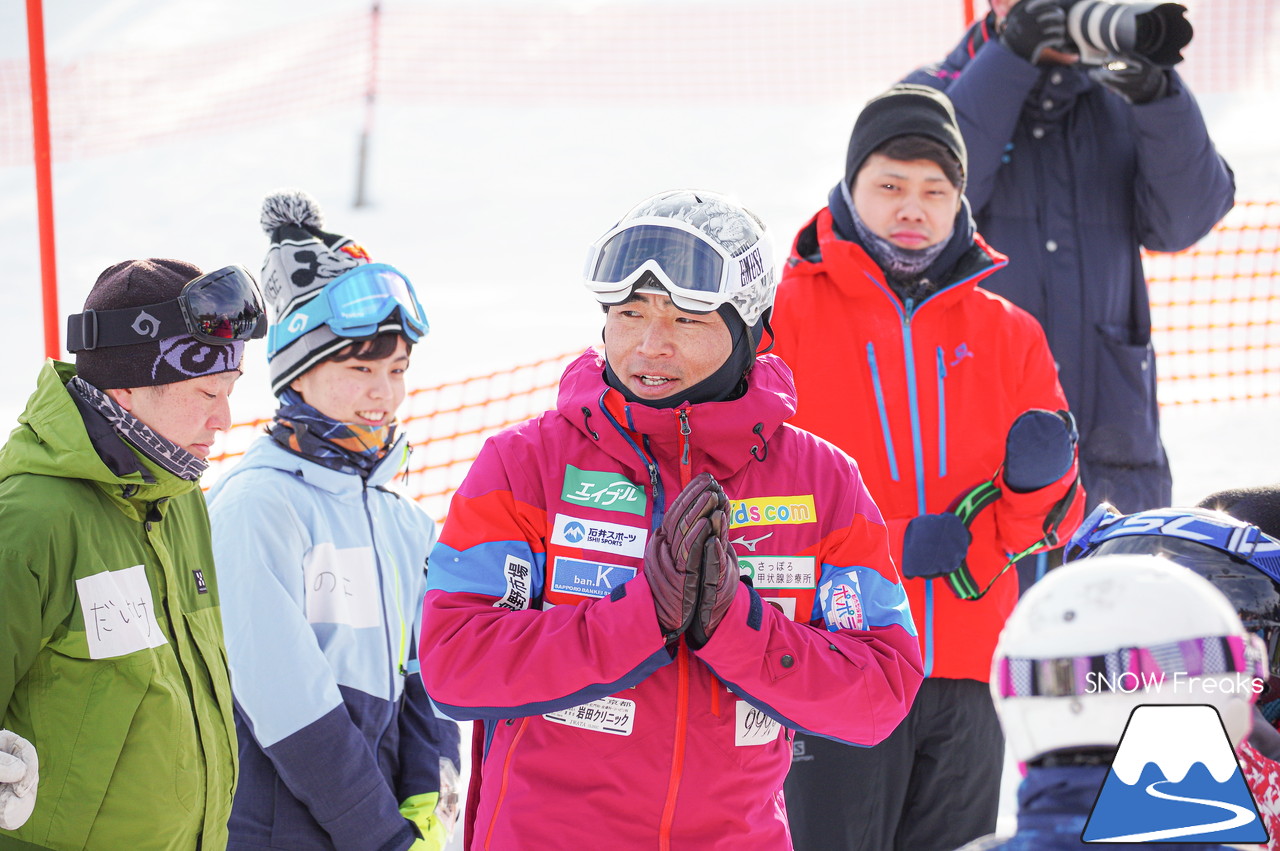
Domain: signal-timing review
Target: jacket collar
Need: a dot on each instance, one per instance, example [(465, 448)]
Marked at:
[(721, 435), (265, 452), (53, 440), (1054, 95), (1060, 85)]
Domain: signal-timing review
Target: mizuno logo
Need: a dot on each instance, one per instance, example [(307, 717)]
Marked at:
[(751, 543)]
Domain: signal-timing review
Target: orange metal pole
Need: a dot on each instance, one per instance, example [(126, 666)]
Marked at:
[(44, 175), (969, 12)]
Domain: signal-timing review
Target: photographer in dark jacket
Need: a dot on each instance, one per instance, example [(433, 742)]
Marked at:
[(1073, 169)]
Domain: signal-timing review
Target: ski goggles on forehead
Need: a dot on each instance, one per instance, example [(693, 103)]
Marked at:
[(353, 305), (219, 308), (698, 274), (1217, 531)]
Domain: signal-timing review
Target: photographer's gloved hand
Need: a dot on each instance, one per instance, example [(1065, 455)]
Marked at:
[(1033, 26), (720, 578), (934, 545), (1039, 449), (19, 776), (1133, 78), (673, 558)]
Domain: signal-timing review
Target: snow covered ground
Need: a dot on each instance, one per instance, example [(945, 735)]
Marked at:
[(489, 209)]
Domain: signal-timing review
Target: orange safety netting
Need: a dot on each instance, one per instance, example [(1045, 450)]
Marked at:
[(804, 53), (1215, 309)]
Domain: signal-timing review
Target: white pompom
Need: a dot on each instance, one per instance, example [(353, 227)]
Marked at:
[(290, 207)]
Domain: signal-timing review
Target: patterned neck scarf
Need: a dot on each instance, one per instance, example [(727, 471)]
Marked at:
[(163, 451), (346, 447), (901, 266)]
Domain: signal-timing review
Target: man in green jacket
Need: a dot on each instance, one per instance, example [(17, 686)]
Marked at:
[(116, 707)]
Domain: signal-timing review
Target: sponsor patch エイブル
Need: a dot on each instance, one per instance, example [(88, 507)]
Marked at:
[(609, 491)]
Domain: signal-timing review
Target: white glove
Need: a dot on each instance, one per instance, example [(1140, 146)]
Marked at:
[(19, 771), (447, 808)]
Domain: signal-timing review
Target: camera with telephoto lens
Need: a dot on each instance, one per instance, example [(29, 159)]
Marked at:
[(1104, 30)]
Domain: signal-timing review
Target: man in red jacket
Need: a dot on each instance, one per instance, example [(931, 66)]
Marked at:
[(948, 398), (584, 601)]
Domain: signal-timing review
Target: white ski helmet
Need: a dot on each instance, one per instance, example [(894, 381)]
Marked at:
[(702, 248), (1097, 638)]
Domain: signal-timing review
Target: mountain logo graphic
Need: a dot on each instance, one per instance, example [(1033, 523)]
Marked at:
[(575, 532), (1175, 778)]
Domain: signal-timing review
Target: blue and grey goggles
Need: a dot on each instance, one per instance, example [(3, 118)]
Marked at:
[(354, 305)]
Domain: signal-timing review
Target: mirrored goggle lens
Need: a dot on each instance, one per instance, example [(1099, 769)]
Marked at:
[(367, 295), (224, 305), (689, 262)]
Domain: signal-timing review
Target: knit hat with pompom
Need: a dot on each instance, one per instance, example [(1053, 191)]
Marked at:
[(301, 260)]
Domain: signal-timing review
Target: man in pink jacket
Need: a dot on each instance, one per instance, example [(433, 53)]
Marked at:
[(642, 593)]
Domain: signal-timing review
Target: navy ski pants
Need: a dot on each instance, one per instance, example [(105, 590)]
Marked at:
[(932, 785)]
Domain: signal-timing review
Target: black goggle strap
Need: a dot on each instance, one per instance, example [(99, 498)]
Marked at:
[(967, 506), (1128, 669), (100, 329)]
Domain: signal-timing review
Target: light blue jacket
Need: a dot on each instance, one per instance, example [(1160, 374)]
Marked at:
[(323, 575)]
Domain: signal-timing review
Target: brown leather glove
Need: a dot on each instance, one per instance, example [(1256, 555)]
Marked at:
[(673, 558), (720, 577)]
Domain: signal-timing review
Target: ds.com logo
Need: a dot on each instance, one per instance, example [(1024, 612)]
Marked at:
[(1175, 778)]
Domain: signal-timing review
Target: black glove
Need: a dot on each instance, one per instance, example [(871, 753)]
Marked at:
[(1133, 78), (720, 577), (934, 545), (1032, 26), (1039, 449), (673, 558)]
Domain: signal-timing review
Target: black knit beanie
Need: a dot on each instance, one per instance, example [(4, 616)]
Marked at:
[(1259, 506), (904, 110), (138, 283)]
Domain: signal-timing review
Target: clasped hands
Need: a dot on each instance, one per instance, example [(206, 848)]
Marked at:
[(690, 565)]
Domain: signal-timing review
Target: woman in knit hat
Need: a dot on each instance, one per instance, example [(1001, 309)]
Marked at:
[(339, 746)]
